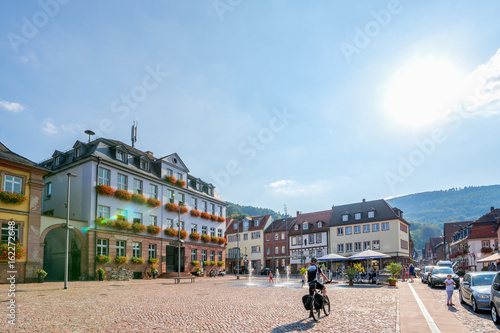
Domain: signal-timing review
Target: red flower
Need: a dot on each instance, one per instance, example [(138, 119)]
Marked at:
[(139, 198), (138, 227), (180, 183), (214, 239), (170, 179), (171, 207), (171, 232), (123, 195), (222, 240), (205, 215), (105, 190), (195, 213), (195, 236), (184, 210), (154, 230), (221, 219), (206, 238), (154, 203), (184, 234)]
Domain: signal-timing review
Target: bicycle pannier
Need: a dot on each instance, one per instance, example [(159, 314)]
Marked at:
[(307, 300), (318, 301)]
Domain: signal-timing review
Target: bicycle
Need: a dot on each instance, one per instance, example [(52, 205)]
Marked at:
[(325, 304)]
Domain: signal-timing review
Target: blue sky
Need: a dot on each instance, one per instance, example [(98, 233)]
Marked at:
[(279, 102)]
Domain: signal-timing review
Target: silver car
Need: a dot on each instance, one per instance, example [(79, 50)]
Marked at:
[(424, 273), (475, 289), (495, 299)]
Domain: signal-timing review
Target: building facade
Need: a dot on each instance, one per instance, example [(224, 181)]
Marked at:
[(132, 205), (21, 186), (276, 248)]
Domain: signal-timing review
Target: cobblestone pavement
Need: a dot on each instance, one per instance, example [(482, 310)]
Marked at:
[(221, 304)]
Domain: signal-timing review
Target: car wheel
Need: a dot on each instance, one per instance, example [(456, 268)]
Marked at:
[(473, 303), (494, 314), (460, 297)]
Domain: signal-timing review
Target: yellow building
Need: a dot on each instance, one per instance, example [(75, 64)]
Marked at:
[(21, 187)]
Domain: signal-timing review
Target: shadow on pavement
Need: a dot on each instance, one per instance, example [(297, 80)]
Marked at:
[(299, 326)]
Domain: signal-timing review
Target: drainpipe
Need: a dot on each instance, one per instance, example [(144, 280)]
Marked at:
[(95, 214)]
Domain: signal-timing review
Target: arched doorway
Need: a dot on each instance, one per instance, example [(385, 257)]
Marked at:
[(54, 251)]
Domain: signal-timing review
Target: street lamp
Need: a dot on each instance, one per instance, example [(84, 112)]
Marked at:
[(237, 250), (66, 253), (178, 237)]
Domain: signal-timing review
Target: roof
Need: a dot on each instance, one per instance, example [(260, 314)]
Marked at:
[(383, 211), (483, 231), (8, 155), (280, 225), (451, 227), (251, 226), (434, 241), (312, 218), (492, 216)]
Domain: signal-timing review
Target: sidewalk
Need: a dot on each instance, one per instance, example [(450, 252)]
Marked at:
[(434, 317)]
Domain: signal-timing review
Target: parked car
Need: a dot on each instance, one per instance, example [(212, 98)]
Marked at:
[(475, 289), (438, 274), (495, 299), (425, 273), (243, 270), (445, 263), (265, 271), (429, 273)]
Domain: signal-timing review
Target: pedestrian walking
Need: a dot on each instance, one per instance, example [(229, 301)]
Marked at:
[(412, 272), (450, 285)]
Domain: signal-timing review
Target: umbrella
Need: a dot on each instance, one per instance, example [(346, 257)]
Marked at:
[(369, 254), (331, 257), (493, 257)]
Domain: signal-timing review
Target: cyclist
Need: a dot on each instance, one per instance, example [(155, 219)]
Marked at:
[(312, 277)]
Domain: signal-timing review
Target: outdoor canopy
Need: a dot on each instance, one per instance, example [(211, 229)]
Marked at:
[(493, 257), (369, 254), (332, 257)]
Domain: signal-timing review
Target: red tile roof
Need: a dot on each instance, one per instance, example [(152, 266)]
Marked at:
[(483, 231), (451, 227), (251, 226)]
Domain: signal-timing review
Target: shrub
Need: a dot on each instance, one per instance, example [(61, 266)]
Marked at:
[(154, 203), (394, 269), (205, 215), (171, 232), (105, 190), (195, 236), (102, 259), (170, 179), (184, 210), (123, 195), (154, 230), (4, 251), (12, 198), (195, 262), (137, 260), (206, 238), (171, 207), (214, 239), (180, 183), (220, 263), (222, 240), (139, 198), (138, 227), (121, 260), (153, 260), (195, 213)]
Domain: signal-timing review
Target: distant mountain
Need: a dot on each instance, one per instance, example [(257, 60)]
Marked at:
[(235, 209), (456, 204)]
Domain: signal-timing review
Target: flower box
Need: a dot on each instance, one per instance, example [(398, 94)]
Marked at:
[(138, 227), (183, 210), (120, 224), (139, 198), (105, 190), (153, 230), (12, 198), (123, 195), (214, 239), (222, 240), (102, 259), (206, 263), (137, 260), (154, 203), (180, 183), (220, 263), (213, 263), (153, 260), (195, 236), (195, 213), (486, 250), (184, 234), (170, 179), (171, 207), (206, 238), (213, 217), (221, 219), (171, 232), (195, 262), (205, 215), (121, 260), (4, 251)]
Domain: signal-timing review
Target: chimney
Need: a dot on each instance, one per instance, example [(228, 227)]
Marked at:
[(150, 153), (364, 200), (492, 208)]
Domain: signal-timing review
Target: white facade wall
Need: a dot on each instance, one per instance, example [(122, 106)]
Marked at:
[(309, 249)]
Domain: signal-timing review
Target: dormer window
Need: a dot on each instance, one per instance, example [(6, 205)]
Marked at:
[(256, 223), (57, 160), (235, 226), (245, 225), (320, 224), (345, 217), (306, 226), (179, 175), (120, 156), (296, 227), (144, 165), (78, 152), (371, 214), (357, 216)]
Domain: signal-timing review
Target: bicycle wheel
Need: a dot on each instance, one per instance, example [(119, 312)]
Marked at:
[(326, 305)]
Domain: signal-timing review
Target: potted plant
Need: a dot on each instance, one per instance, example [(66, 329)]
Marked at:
[(100, 273), (394, 269), (198, 271), (103, 259), (350, 273), (195, 263), (184, 234), (195, 213), (41, 275), (183, 210), (206, 238), (139, 198)]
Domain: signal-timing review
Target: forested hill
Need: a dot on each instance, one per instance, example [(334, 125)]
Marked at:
[(437, 207), (237, 211)]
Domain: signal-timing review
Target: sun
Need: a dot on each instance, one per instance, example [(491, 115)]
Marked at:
[(421, 92)]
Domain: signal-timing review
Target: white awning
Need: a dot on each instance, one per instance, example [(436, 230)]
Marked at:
[(493, 257)]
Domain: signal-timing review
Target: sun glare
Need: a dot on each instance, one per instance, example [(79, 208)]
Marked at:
[(422, 92)]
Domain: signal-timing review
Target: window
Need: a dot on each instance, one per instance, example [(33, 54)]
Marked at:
[(366, 228), (182, 225), (137, 186), (205, 209), (103, 211), (235, 225), (194, 203), (144, 165), (245, 236), (153, 191), (120, 156), (179, 175), (182, 198), (345, 217), (204, 255), (385, 226), (357, 246), (78, 152), (219, 256), (318, 238), (219, 232), (58, 160), (404, 244), (122, 213), (152, 220), (305, 226), (340, 248), (136, 249), (268, 251), (486, 243), (319, 253), (212, 232), (212, 209), (320, 224), (221, 211), (103, 176), (366, 245), (403, 227), (204, 229), (294, 240), (340, 231), (169, 223), (120, 248), (48, 190), (283, 249), (152, 251), (282, 235), (6, 229), (276, 250), (194, 227), (348, 247), (212, 255), (348, 230), (121, 182), (296, 227), (193, 254), (102, 247), (311, 239), (376, 245), (357, 216), (268, 238), (357, 229), (255, 249), (375, 227), (170, 172), (371, 214), (170, 196), (276, 236), (256, 235), (137, 217), (245, 225)]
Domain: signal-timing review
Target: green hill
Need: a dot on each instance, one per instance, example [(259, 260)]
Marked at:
[(237, 211)]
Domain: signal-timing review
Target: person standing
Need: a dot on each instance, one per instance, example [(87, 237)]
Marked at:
[(271, 278), (412, 272), (450, 285)]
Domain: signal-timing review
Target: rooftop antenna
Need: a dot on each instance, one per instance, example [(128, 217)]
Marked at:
[(134, 133), (89, 132)]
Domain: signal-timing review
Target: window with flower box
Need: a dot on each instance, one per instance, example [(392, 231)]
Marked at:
[(103, 176), (137, 217), (170, 196), (194, 203), (179, 175), (182, 225), (5, 232), (212, 209), (122, 213), (204, 255), (212, 232), (120, 248), (205, 209), (137, 186), (103, 211), (194, 254), (102, 247), (170, 172), (219, 256), (204, 230), (219, 232), (169, 223), (136, 249), (121, 182), (182, 198), (152, 251), (153, 191), (152, 220), (212, 255), (194, 227)]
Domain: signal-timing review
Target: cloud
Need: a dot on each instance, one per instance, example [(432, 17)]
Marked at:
[(292, 188), (48, 127), (11, 106)]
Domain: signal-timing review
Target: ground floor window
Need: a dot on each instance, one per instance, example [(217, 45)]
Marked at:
[(219, 256), (8, 227), (204, 255), (136, 250), (152, 251), (212, 255), (193, 254), (120, 248), (102, 247)]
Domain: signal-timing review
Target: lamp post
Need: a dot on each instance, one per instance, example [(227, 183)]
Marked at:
[(66, 252), (237, 250)]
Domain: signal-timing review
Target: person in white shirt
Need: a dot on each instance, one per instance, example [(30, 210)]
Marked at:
[(450, 285)]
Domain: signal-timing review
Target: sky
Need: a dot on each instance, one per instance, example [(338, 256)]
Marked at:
[(303, 104)]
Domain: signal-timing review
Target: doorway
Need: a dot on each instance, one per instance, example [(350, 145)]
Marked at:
[(172, 259), (54, 253)]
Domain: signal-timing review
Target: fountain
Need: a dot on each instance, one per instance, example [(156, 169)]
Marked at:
[(277, 279), (287, 270), (250, 277)]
